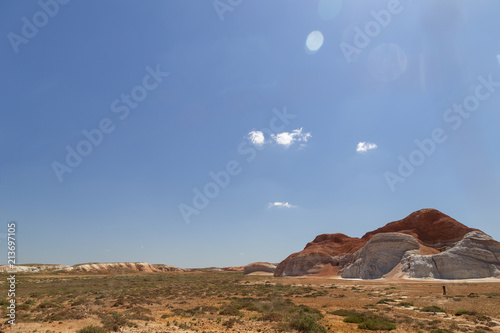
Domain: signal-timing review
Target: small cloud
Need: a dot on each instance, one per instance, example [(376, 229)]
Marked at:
[(281, 205), (257, 137), (363, 147), (142, 246), (289, 138)]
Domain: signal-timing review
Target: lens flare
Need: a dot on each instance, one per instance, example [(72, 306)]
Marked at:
[(314, 41)]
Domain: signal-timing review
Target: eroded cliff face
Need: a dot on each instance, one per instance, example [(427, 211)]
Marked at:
[(327, 249), (475, 256), (380, 255), (115, 266), (427, 243), (259, 267)]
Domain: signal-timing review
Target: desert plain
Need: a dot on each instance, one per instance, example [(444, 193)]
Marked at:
[(209, 300)]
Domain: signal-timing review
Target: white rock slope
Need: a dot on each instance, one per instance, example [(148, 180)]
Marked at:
[(380, 255), (475, 256)]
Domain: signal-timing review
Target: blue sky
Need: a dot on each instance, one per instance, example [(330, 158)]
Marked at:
[(171, 91)]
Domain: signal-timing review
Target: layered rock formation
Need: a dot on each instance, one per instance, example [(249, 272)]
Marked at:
[(477, 255), (34, 268), (233, 269), (18, 269), (115, 266), (326, 249), (380, 255), (259, 267), (166, 268), (425, 244)]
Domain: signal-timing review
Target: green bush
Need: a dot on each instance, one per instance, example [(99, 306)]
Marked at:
[(342, 312), (307, 322), (355, 318)]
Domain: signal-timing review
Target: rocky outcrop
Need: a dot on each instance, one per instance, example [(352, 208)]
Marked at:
[(427, 243), (166, 268), (429, 226), (18, 269), (259, 267), (34, 268), (380, 255), (115, 266), (326, 249), (233, 269), (475, 256), (51, 267)]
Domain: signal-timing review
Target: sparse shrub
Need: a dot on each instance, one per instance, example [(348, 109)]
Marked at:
[(342, 312), (405, 304), (46, 305), (77, 302), (64, 315), (23, 307), (376, 325), (307, 322), (366, 320), (229, 310), (230, 323), (184, 326), (386, 301), (113, 321), (271, 316), (3, 302), (139, 313), (465, 312), (91, 329), (433, 308)]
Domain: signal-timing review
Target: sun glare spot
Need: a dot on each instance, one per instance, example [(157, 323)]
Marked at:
[(314, 41)]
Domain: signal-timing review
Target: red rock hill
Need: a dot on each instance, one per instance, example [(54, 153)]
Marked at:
[(434, 231)]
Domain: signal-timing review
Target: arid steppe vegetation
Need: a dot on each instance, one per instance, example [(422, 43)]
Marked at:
[(207, 301)]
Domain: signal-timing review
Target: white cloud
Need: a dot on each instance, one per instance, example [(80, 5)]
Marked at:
[(280, 205), (289, 138), (363, 147), (257, 137)]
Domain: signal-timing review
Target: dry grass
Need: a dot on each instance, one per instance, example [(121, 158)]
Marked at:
[(222, 301)]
